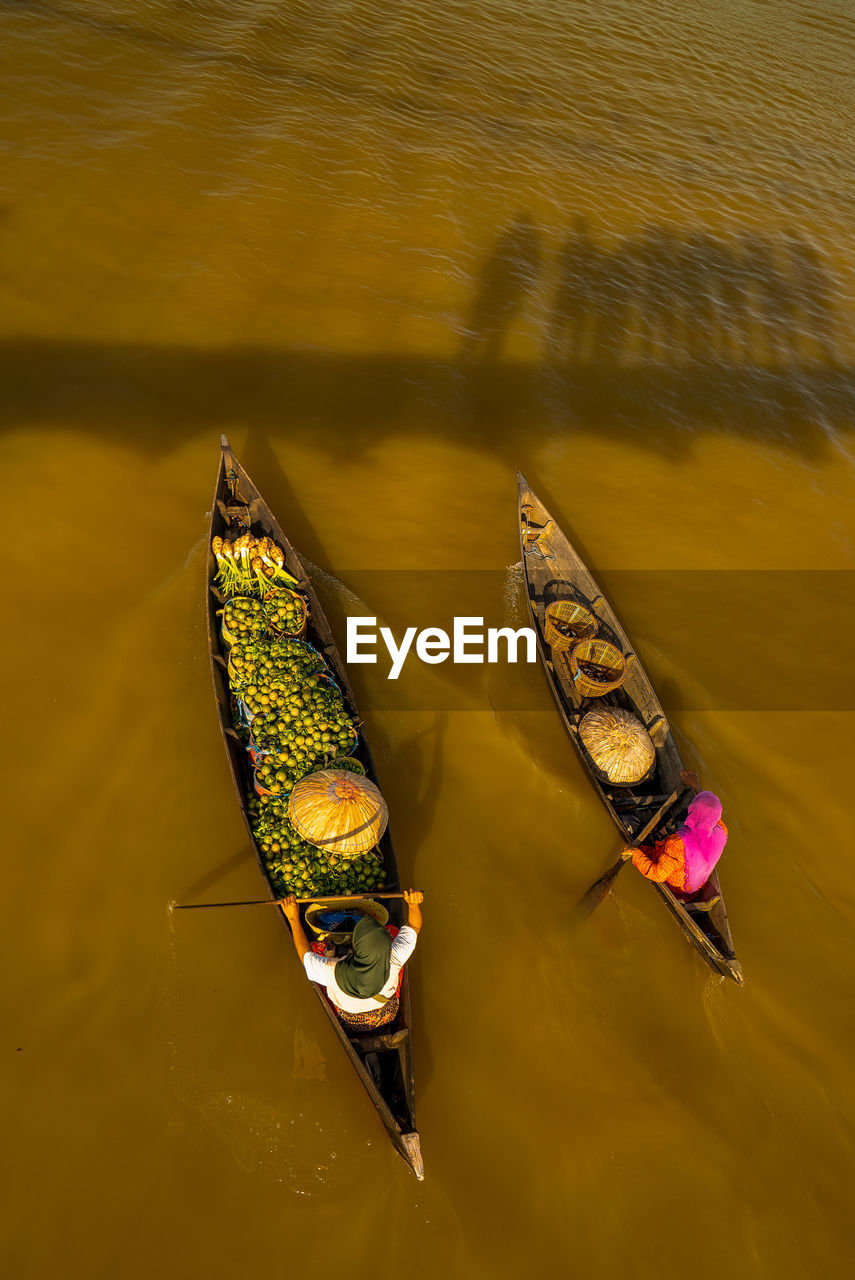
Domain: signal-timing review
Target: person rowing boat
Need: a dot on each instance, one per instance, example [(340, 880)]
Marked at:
[(686, 859), (362, 987)]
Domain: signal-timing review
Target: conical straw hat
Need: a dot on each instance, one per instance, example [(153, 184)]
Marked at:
[(618, 744), (338, 811)]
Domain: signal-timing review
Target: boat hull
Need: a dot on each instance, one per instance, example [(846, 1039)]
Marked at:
[(552, 570), (384, 1061)]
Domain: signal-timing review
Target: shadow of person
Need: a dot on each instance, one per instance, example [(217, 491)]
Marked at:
[(700, 309), (810, 299), (659, 264), (771, 338), (572, 325), (507, 279), (620, 286)]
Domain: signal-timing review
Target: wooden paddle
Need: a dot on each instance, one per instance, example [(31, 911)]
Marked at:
[(276, 902), (598, 890)]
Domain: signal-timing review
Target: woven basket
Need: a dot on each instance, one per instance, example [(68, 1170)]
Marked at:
[(356, 906), (350, 763), (338, 811), (257, 627), (567, 622), (261, 790), (617, 745), (270, 601), (601, 654)]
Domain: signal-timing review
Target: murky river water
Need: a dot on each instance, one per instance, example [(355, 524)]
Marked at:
[(397, 251)]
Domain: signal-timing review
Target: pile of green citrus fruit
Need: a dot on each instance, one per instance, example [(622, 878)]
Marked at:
[(291, 716), (281, 659), (243, 619), (294, 866), (285, 612)]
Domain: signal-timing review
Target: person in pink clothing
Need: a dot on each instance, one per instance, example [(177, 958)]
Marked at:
[(686, 859)]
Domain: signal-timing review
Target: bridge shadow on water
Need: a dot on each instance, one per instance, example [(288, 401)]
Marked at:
[(161, 396), (652, 340)]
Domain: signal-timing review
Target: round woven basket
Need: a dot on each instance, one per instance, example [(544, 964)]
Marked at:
[(617, 745), (354, 906), (601, 655), (281, 593), (255, 628), (567, 622), (339, 811), (349, 763)]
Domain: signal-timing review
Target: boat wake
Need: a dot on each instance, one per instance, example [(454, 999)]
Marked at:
[(277, 1143)]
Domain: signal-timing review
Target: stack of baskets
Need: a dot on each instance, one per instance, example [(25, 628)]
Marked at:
[(597, 665), (616, 744)]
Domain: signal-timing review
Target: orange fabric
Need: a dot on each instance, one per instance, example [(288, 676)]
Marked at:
[(664, 863)]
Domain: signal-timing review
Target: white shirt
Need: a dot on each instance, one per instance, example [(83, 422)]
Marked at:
[(321, 969)]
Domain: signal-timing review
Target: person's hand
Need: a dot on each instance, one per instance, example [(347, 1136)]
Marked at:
[(691, 779), (413, 897), (289, 906), (628, 851)]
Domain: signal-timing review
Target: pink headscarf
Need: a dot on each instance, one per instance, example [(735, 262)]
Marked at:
[(703, 840)]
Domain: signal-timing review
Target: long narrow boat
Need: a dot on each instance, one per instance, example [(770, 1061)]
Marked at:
[(553, 571), (383, 1062)]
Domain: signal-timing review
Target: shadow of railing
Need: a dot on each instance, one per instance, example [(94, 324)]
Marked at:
[(674, 299)]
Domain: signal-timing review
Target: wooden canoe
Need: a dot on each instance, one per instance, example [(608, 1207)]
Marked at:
[(382, 1061), (552, 570)]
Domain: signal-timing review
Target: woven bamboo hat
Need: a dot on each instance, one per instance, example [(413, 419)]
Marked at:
[(338, 811), (618, 744)]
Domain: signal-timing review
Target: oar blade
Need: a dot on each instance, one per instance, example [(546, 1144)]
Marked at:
[(592, 899), (600, 888)]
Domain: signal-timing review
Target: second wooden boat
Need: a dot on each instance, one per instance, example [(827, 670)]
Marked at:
[(553, 571), (383, 1060)]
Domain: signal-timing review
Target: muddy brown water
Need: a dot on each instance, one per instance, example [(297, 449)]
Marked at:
[(396, 252)]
